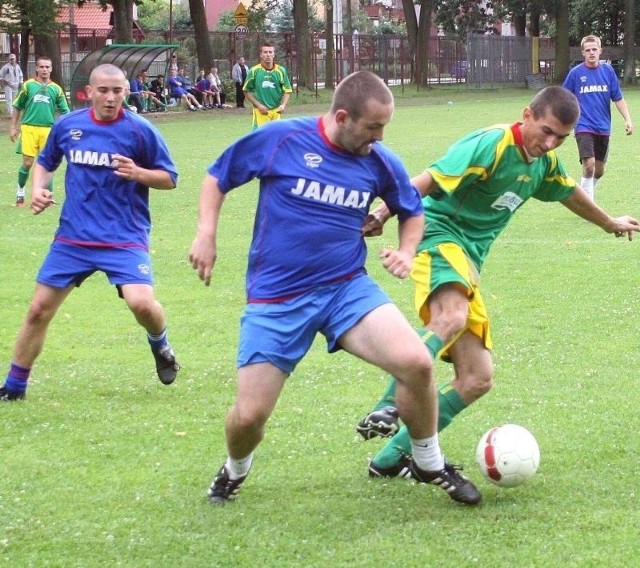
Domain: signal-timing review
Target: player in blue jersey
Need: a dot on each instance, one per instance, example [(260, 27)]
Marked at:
[(113, 158), (595, 84), (306, 273)]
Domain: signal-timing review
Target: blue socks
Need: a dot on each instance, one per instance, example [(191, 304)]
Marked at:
[(17, 378), (157, 342)]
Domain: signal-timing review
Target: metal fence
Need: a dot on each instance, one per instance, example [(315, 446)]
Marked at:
[(477, 61)]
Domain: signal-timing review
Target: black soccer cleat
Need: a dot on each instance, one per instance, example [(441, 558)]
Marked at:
[(166, 364), (382, 423), (8, 396), (400, 469), (224, 489), (457, 486)]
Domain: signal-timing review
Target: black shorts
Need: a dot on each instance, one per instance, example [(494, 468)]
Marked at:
[(592, 146)]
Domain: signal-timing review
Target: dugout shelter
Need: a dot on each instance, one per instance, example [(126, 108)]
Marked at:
[(131, 58)]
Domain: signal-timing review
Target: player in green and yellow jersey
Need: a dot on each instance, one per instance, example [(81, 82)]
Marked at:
[(470, 195), (37, 103), (267, 88)]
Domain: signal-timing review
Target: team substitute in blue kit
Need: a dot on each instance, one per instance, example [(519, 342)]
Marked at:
[(306, 271), (113, 158), (595, 85)]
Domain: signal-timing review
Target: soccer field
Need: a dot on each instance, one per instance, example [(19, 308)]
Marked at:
[(103, 465)]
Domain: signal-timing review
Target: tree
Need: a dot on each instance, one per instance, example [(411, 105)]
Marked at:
[(629, 42), (460, 17), (562, 41), (329, 77), (201, 33), (303, 44), (421, 46), (37, 19)]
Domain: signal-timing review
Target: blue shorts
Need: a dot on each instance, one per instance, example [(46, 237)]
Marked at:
[(282, 333), (71, 264)]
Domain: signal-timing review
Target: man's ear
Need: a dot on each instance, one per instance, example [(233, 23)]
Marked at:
[(341, 116)]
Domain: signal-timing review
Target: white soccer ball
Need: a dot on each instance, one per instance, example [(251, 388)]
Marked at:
[(508, 455)]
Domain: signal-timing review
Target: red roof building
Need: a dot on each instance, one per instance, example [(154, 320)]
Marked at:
[(93, 25), (90, 16)]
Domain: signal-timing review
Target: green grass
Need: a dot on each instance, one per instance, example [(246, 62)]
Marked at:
[(104, 466)]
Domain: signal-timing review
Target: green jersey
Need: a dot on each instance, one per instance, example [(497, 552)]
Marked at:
[(268, 86), (39, 102), (483, 179)]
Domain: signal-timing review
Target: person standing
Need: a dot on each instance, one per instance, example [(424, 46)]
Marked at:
[(267, 88), (38, 101), (11, 78), (239, 75), (113, 158), (306, 273), (595, 84), (470, 196)]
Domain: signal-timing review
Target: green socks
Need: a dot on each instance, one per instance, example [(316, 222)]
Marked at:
[(450, 405), (23, 176), (388, 397)]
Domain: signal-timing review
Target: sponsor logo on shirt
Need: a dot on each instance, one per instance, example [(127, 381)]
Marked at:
[(592, 88), (336, 195), (268, 84), (92, 158), (41, 98), (509, 200), (312, 160)]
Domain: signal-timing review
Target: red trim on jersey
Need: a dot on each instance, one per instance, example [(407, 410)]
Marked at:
[(517, 138), (285, 298), (323, 135), (91, 244), (95, 119)]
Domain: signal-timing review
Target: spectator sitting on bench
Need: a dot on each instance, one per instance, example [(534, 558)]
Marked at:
[(178, 92)]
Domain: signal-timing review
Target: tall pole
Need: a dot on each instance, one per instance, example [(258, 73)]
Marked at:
[(170, 21)]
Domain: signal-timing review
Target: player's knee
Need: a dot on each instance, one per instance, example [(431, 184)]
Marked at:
[(144, 308), (40, 313), (250, 418), (478, 384), (417, 368)]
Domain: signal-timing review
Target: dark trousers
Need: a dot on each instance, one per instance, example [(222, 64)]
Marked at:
[(239, 95)]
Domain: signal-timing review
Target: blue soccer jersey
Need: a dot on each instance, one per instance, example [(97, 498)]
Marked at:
[(312, 202), (595, 88), (100, 208)]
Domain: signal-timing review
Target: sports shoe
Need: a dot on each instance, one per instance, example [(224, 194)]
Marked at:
[(383, 423), (223, 489), (19, 200), (400, 469), (6, 396), (457, 486), (166, 364)]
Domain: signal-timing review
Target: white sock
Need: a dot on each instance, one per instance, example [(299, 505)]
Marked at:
[(239, 468), (20, 192), (427, 454), (588, 185)]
